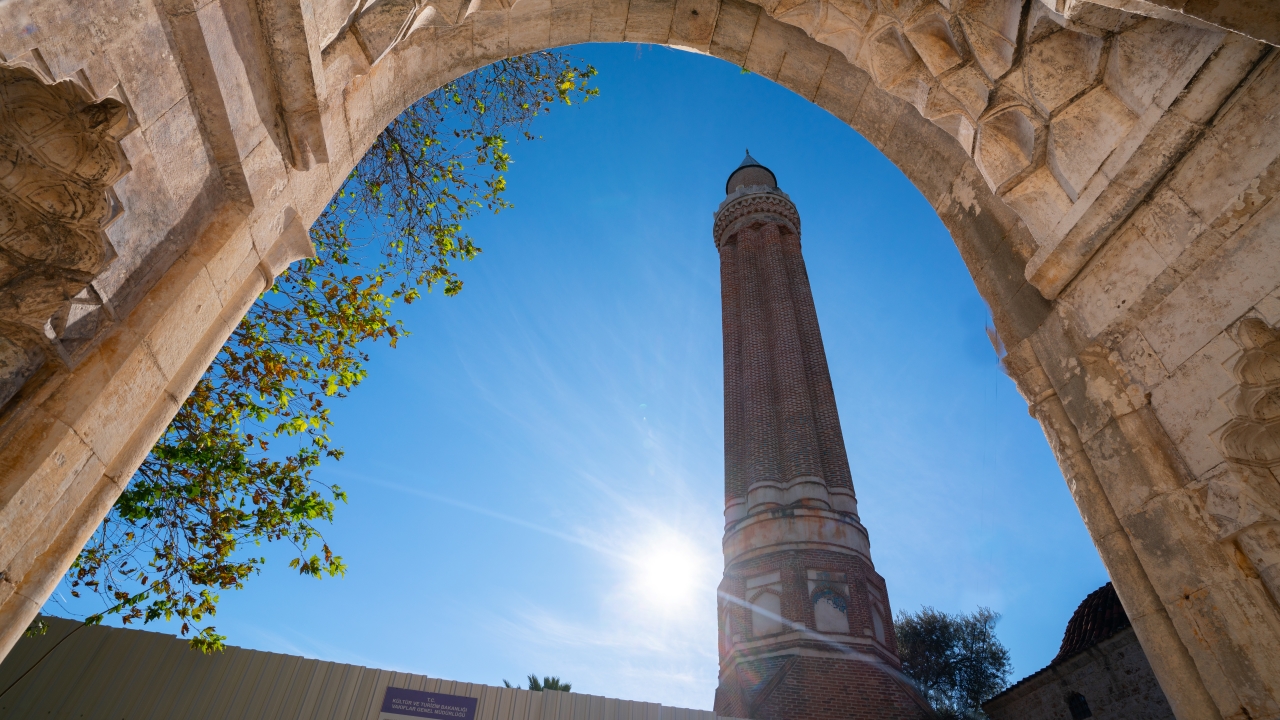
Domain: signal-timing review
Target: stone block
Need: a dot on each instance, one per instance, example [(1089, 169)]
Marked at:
[(142, 59), (927, 155), (1157, 141), (267, 172), (1269, 308), (1218, 78), (1139, 362), (1110, 286), (37, 472), (993, 51), (530, 27), (331, 17), (969, 87), (802, 14), (176, 134), (312, 190), (149, 210), (608, 20), (693, 23), (379, 25), (1187, 403), (171, 340), (1006, 145), (934, 40), (133, 387), (890, 57), (1236, 150), (1057, 342), (769, 47), (238, 71), (1237, 276), (842, 26), (570, 22), (841, 88), (983, 236), (1208, 616), (488, 37), (649, 21), (1084, 134), (734, 30), (1153, 54), (343, 61), (1130, 488), (224, 267), (1061, 66), (394, 81), (1168, 224), (877, 114), (803, 69), (1041, 202), (53, 531)]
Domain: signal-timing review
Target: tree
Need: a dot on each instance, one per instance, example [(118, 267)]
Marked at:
[(235, 467), (955, 660), (550, 682)]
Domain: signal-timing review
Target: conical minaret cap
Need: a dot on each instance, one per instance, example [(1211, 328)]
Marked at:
[(750, 172)]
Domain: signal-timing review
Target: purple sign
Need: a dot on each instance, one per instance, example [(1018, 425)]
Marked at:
[(400, 702)]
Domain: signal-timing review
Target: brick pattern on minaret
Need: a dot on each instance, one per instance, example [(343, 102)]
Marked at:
[(805, 626)]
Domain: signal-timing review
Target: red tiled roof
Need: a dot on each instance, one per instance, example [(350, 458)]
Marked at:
[(1099, 617)]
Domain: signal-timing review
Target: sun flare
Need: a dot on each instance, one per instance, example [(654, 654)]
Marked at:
[(670, 571)]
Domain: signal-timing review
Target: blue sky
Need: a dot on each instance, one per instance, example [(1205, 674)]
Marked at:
[(535, 475)]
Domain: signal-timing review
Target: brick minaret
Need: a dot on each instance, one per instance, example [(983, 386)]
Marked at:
[(805, 627)]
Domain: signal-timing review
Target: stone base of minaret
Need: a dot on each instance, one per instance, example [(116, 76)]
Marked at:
[(806, 631), (817, 687)]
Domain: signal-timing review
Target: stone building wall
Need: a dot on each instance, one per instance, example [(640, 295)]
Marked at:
[(1113, 678)]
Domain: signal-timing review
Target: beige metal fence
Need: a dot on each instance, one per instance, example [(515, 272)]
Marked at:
[(101, 673)]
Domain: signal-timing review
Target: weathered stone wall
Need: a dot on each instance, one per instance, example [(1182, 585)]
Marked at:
[(1108, 175), (1113, 678)]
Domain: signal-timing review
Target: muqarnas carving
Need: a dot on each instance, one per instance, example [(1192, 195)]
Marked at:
[(59, 156), (1244, 499)]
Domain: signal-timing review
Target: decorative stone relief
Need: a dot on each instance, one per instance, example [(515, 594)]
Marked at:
[(1072, 99), (1244, 500), (1040, 123), (59, 156), (377, 26), (829, 594)]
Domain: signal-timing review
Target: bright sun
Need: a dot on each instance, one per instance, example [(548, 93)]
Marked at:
[(670, 571)]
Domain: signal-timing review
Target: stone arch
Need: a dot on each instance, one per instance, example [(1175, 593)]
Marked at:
[(993, 240), (1118, 226)]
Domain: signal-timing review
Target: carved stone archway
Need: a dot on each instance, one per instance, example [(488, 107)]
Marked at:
[(1108, 171)]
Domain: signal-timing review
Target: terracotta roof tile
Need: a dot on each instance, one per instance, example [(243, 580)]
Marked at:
[(1099, 617)]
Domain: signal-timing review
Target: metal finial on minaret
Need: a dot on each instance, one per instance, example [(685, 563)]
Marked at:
[(805, 626)]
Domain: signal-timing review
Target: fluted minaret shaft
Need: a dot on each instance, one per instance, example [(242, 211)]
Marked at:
[(782, 430), (761, 439), (735, 462), (833, 459)]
